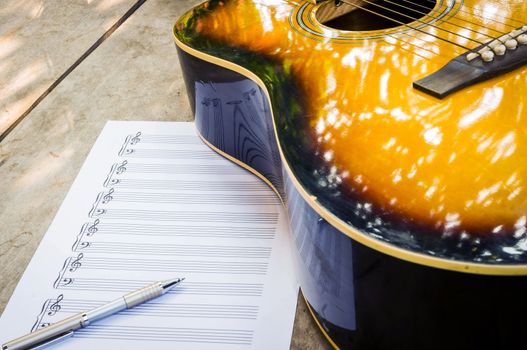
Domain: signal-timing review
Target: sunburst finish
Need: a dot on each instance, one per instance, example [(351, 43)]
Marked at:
[(452, 167), (441, 183)]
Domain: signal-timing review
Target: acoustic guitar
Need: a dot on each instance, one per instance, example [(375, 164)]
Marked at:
[(395, 132)]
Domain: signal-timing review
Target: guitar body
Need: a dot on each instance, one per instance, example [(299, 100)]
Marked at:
[(409, 212)]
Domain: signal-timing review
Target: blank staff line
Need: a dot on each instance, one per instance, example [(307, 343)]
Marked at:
[(196, 270), (180, 266), (188, 248), (189, 168), (174, 198), (192, 216), (175, 252), (82, 304), (172, 334), (179, 185), (171, 139), (178, 250), (188, 291), (187, 231), (83, 334), (111, 262), (248, 312), (173, 330), (170, 154), (192, 288), (186, 269), (229, 307)]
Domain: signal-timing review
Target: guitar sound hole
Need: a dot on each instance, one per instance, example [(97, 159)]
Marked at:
[(373, 14)]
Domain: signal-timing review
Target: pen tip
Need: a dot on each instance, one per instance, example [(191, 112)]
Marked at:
[(171, 283)]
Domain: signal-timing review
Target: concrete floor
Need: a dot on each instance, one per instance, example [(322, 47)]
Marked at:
[(133, 75)]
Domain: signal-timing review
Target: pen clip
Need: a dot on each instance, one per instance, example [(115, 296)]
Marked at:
[(53, 341)]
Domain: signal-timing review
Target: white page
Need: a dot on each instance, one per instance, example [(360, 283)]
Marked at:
[(150, 203)]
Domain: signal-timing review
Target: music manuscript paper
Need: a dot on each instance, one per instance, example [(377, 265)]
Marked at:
[(151, 203)]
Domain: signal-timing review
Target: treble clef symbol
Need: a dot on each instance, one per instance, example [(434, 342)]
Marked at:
[(93, 228), (136, 138), (55, 307), (122, 168), (108, 196), (75, 264)]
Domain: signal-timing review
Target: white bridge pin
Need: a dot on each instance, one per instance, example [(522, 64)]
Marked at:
[(511, 44), (522, 39), (499, 49), (487, 56)]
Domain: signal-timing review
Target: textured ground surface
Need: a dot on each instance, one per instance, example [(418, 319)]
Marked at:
[(133, 75)]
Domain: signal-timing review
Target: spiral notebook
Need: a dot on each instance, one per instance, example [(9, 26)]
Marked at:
[(150, 203)]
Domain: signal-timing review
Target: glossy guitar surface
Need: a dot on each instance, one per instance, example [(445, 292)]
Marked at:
[(332, 120)]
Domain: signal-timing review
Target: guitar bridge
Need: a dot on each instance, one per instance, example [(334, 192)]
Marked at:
[(487, 61)]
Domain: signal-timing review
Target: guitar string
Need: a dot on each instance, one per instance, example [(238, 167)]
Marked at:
[(461, 19), (482, 16), (413, 51), (411, 44), (407, 25), (417, 46), (397, 38), (449, 22), (496, 15), (418, 20)]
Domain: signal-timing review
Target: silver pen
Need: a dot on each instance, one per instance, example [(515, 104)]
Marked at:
[(64, 329)]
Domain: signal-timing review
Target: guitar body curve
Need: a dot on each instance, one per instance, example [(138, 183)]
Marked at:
[(373, 277)]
